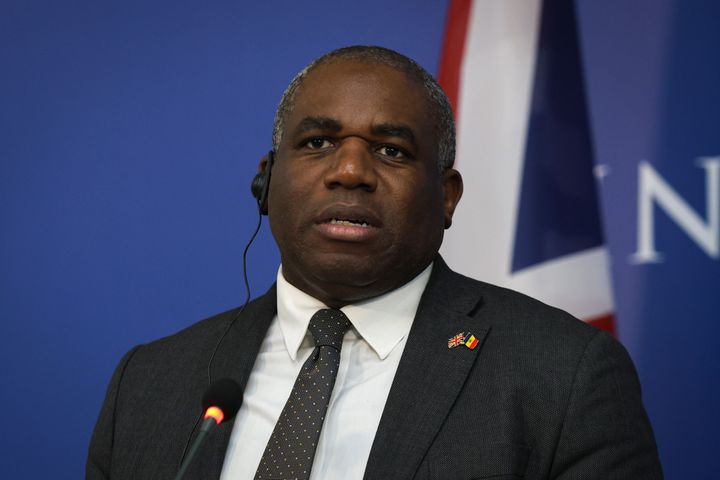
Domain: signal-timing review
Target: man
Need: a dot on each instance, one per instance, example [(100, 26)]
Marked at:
[(439, 376)]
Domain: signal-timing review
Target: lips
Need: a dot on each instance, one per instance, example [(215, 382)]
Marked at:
[(348, 223), (349, 215)]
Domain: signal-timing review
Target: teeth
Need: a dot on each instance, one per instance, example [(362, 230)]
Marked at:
[(336, 221)]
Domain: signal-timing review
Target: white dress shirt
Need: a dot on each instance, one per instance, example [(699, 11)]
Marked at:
[(368, 361)]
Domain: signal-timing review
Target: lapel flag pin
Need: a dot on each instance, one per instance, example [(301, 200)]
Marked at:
[(456, 340), (470, 341)]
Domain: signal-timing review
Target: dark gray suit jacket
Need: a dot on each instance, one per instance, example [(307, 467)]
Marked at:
[(542, 396)]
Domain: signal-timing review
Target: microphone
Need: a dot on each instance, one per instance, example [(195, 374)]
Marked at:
[(221, 401)]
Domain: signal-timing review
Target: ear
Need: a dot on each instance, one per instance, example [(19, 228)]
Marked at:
[(260, 183), (452, 189), (262, 165)]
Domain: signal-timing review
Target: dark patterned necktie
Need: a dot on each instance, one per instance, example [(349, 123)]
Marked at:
[(290, 451)]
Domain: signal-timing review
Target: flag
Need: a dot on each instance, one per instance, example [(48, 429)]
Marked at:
[(530, 215), (456, 340), (470, 341)]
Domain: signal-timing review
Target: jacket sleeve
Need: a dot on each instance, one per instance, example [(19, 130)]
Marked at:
[(101, 445), (606, 432)]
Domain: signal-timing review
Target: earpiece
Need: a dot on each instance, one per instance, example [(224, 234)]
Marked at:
[(261, 184)]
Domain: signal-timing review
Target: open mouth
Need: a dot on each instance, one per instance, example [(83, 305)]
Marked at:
[(350, 223), (353, 223)]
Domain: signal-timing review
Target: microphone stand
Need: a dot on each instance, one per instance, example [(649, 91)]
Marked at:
[(206, 426)]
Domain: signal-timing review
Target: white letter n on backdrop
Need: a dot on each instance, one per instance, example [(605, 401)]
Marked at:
[(653, 188)]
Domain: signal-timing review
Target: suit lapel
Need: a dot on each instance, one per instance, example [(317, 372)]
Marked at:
[(234, 359), (429, 377)]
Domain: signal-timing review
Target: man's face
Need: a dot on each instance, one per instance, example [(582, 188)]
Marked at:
[(356, 202)]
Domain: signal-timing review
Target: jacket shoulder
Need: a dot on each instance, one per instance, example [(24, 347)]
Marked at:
[(197, 341), (510, 311)]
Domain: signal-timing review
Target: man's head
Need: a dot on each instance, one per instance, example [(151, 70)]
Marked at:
[(362, 186), (373, 55)]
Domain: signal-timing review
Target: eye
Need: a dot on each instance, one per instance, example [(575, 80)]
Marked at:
[(318, 143), (390, 151)]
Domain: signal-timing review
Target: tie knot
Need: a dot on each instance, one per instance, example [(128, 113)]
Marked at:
[(328, 327)]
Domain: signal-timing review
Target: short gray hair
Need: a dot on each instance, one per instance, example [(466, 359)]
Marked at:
[(439, 104)]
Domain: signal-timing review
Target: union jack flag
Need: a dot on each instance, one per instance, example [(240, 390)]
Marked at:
[(458, 339), (530, 215)]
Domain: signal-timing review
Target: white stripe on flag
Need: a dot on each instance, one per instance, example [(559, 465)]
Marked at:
[(493, 108), (494, 97)]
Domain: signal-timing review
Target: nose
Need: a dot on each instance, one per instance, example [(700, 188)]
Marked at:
[(352, 166)]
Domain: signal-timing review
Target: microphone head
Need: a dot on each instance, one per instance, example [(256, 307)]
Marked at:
[(224, 394)]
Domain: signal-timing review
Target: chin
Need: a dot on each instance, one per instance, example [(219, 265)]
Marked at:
[(376, 273), (350, 271)]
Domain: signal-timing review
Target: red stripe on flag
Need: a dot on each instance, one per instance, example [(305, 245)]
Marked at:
[(456, 27), (603, 322)]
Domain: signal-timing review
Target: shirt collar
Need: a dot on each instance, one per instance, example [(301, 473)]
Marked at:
[(381, 321)]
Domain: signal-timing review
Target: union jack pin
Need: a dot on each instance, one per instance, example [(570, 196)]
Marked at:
[(457, 340)]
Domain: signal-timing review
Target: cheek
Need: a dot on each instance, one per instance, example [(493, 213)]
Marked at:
[(282, 212), (284, 195), (418, 213), (424, 197), (291, 198)]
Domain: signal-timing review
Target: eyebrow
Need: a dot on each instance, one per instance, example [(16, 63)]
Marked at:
[(333, 125), (317, 123), (394, 130)]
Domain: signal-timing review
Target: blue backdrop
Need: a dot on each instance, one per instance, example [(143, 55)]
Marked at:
[(653, 71), (129, 133)]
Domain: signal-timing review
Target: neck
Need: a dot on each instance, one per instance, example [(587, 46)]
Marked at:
[(337, 293)]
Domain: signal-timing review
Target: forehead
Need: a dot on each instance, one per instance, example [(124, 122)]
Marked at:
[(355, 92)]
